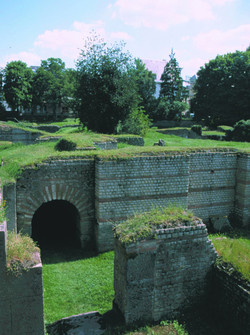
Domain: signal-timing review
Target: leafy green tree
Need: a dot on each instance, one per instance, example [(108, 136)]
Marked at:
[(41, 88), (2, 109), (222, 90), (146, 87), (18, 85), (172, 88), (49, 84), (107, 89), (162, 110), (240, 132), (70, 89), (137, 122)]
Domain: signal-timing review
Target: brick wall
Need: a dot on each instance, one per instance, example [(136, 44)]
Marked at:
[(18, 135), (125, 187), (69, 180), (206, 183), (212, 181), (230, 299), (21, 303), (106, 192), (158, 278), (242, 196)]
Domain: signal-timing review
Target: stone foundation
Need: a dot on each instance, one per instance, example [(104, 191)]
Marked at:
[(21, 303), (106, 192), (157, 278)]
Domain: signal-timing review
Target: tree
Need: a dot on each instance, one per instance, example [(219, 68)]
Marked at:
[(107, 89), (18, 85), (172, 88), (49, 84), (146, 87), (222, 90)]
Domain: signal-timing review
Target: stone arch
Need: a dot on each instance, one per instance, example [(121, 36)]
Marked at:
[(56, 223), (57, 192)]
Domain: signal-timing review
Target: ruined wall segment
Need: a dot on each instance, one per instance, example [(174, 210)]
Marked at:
[(108, 191), (242, 198), (212, 183), (71, 180), (16, 135), (21, 302), (8, 193), (159, 277), (128, 186)]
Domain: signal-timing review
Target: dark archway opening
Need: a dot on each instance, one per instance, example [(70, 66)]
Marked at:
[(56, 224)]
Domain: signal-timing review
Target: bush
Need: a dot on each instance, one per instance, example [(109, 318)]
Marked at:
[(240, 132), (21, 253), (197, 128), (136, 123), (64, 145)]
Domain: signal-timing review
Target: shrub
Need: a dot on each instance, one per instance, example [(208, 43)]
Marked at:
[(197, 128), (240, 132), (65, 145), (136, 123), (21, 253), (144, 225), (2, 212)]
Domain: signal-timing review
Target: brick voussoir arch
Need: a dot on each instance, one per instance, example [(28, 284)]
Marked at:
[(54, 192)]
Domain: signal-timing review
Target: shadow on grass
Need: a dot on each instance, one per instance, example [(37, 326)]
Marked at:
[(60, 253), (195, 322)]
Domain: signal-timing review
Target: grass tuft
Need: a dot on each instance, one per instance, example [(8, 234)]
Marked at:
[(144, 225), (21, 253), (234, 248)]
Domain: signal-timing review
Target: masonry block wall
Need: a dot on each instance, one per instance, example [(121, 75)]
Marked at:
[(242, 192), (18, 135), (206, 183), (106, 191), (230, 299), (69, 180), (125, 187), (21, 303), (159, 277), (212, 182)]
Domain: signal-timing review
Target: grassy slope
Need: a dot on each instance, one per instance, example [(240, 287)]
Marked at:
[(234, 248), (16, 156), (78, 286)]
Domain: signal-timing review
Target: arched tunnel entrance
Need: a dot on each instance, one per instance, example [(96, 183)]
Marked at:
[(56, 223)]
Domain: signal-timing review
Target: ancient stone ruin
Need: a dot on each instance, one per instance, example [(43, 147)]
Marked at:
[(21, 297), (100, 192), (157, 277)]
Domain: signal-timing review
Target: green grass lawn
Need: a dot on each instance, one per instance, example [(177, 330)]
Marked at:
[(234, 248), (77, 284), (17, 156)]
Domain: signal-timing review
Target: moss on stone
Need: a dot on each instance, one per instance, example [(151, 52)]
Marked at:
[(144, 225)]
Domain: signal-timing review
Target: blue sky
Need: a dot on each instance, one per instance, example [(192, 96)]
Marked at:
[(197, 30)]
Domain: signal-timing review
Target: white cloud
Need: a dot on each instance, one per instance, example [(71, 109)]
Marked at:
[(221, 42), (119, 35), (29, 58), (191, 66), (68, 42), (161, 14), (185, 38)]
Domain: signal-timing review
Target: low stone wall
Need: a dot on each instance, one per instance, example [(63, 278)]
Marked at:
[(69, 180), (109, 145), (172, 124), (21, 303), (230, 299), (139, 141), (106, 192), (159, 277), (18, 135)]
